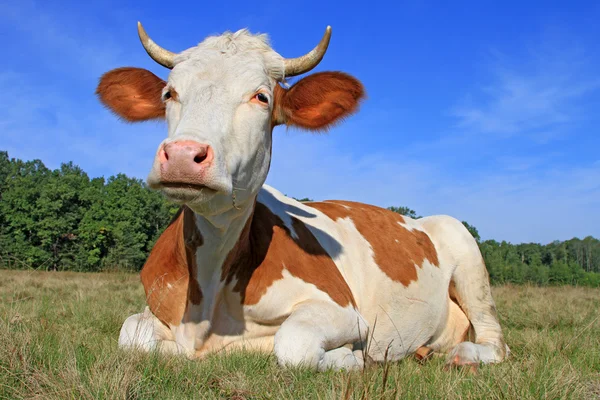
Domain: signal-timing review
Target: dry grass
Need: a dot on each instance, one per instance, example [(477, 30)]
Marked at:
[(59, 335)]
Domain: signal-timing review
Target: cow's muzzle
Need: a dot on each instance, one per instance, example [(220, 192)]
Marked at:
[(183, 170)]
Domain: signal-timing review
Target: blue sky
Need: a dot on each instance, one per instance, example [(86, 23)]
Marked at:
[(487, 112)]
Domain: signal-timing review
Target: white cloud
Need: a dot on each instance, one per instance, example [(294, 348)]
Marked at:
[(57, 43), (536, 97)]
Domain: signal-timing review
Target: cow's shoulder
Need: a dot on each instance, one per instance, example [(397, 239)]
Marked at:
[(275, 241), (169, 274)]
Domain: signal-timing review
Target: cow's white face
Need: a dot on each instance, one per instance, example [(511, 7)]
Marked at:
[(221, 102)]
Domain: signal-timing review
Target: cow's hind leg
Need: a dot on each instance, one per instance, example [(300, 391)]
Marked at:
[(315, 335), (455, 331), (470, 288)]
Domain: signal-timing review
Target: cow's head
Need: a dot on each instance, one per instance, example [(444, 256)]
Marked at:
[(221, 101)]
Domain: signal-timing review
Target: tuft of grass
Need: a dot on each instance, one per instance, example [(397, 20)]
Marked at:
[(59, 340)]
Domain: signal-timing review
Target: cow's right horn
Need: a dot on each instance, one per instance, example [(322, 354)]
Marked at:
[(162, 56)]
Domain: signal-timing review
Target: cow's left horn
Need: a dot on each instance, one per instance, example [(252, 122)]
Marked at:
[(162, 56), (300, 65)]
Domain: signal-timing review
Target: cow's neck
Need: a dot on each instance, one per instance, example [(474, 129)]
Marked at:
[(220, 233)]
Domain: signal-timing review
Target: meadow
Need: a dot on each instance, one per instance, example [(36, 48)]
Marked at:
[(59, 330)]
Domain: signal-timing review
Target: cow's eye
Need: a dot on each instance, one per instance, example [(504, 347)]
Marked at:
[(262, 98), (167, 95)]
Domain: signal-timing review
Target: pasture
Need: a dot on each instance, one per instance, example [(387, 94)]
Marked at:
[(58, 334)]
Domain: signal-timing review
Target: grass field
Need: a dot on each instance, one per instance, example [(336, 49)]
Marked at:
[(58, 334)]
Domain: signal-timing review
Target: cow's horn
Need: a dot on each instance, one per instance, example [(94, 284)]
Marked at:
[(300, 65), (162, 56)]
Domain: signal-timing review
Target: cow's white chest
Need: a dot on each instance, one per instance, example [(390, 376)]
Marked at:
[(277, 302)]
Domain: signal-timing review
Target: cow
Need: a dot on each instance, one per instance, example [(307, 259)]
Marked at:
[(325, 285)]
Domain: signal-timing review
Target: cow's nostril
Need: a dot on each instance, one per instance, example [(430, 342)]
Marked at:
[(199, 158), (186, 152), (163, 156)]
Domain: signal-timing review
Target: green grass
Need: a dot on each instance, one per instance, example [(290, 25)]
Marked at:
[(58, 339)]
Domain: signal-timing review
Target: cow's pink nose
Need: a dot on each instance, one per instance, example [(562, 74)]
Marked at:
[(186, 151), (184, 161)]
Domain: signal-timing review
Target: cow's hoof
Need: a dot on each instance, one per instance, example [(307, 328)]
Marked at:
[(472, 354), (341, 359), (423, 354)]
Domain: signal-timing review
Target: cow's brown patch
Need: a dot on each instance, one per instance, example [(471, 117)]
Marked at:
[(317, 101), (397, 250), (266, 247), (134, 94), (169, 275)]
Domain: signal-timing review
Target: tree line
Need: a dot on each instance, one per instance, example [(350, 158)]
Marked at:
[(63, 220)]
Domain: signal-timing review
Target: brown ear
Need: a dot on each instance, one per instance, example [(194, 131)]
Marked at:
[(134, 94), (318, 101), (169, 275)]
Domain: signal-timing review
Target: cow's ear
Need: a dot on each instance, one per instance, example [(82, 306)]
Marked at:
[(318, 101), (134, 94)]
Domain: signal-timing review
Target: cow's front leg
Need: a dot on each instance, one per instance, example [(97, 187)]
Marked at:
[(147, 333), (315, 333)]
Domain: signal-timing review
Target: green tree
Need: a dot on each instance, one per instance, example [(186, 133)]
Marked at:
[(405, 211), (472, 230), (560, 273), (19, 239), (5, 168), (60, 208)]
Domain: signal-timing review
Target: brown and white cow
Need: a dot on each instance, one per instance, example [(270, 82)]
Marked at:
[(243, 266)]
